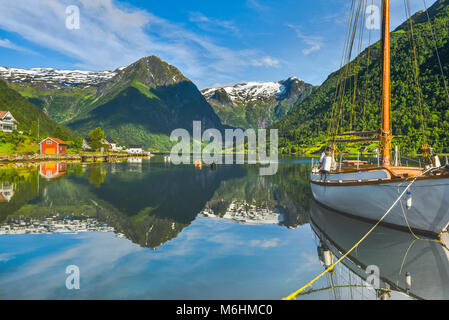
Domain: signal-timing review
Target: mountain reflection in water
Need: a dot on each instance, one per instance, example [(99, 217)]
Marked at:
[(148, 202)]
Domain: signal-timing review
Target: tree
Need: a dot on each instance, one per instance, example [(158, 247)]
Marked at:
[(34, 130), (61, 133), (96, 138), (78, 143)]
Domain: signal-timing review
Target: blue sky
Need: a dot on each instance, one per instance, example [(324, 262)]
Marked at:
[(211, 42)]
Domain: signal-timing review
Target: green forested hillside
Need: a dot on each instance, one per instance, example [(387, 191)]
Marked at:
[(29, 115), (308, 122), (61, 104)]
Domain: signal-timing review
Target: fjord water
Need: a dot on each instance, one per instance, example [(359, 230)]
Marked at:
[(146, 229)]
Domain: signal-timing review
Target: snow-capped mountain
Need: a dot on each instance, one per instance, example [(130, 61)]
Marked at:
[(55, 76), (249, 91), (256, 104)]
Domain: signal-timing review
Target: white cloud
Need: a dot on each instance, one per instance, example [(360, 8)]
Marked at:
[(5, 43), (265, 244), (112, 35), (211, 24), (265, 62), (256, 5), (5, 257), (314, 43), (107, 33)]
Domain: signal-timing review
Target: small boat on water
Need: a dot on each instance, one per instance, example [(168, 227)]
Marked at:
[(368, 191)]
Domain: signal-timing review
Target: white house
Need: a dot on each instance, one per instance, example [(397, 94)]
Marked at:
[(7, 122), (135, 149), (108, 143), (112, 145)]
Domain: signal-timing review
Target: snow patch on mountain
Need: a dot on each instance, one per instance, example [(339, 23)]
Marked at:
[(55, 76), (250, 91)]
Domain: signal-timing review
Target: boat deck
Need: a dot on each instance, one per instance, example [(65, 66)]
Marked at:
[(392, 174)]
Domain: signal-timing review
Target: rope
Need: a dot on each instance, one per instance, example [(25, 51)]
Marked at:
[(352, 119), (339, 82), (411, 230), (298, 292), (368, 63), (350, 286), (411, 36), (436, 49), (337, 111)]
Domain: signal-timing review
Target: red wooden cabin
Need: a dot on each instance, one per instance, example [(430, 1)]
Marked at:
[(53, 146)]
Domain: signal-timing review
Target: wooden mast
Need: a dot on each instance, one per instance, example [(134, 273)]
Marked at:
[(386, 136)]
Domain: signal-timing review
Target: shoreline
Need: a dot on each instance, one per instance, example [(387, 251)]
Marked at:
[(87, 157)]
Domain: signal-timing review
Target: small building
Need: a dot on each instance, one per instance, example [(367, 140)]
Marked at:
[(7, 122), (112, 144), (138, 149), (86, 144), (53, 146)]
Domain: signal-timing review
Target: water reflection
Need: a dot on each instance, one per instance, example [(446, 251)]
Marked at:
[(135, 164), (255, 200), (395, 253), (148, 204), (6, 191), (222, 234), (55, 224), (53, 170)]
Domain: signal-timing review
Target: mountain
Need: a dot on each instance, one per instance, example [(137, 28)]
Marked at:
[(256, 104), (144, 102), (138, 104), (308, 122), (28, 115)]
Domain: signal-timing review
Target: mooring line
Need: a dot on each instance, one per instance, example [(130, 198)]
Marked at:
[(296, 293)]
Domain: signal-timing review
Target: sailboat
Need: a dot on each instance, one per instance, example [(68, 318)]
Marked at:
[(368, 191)]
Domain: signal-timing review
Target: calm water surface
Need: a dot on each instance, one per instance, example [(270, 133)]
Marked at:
[(151, 230)]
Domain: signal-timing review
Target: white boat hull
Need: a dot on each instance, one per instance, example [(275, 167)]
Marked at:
[(429, 212)]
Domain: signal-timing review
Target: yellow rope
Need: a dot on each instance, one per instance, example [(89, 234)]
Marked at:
[(296, 293), (340, 287), (411, 230)]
